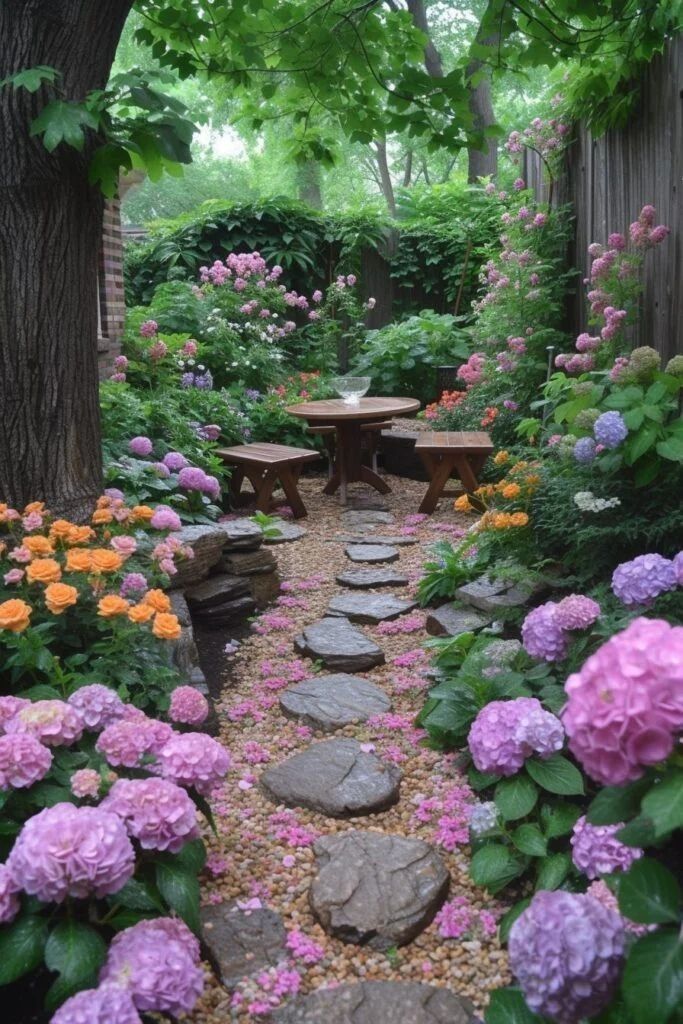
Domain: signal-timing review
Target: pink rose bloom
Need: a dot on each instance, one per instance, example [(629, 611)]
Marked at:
[(13, 576), (625, 706), (188, 706), (194, 759), (71, 851), (9, 901), (33, 521), (20, 554), (85, 782), (23, 761), (159, 814), (53, 722), (125, 546)]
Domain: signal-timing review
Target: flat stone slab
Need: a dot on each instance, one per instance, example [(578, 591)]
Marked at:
[(334, 777), (365, 517), (378, 1002), (376, 889), (371, 553), (248, 563), (340, 645), (490, 595), (241, 533), (399, 540), (452, 620), (242, 942), (366, 579), (286, 532), (332, 701), (216, 590), (369, 608)]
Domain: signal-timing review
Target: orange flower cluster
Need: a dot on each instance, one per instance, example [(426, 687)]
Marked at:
[(489, 417), (502, 520), (41, 551), (448, 401), (518, 486)]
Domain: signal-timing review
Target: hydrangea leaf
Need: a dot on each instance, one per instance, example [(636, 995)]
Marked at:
[(515, 797), (76, 951), (664, 803), (507, 1006), (648, 893), (21, 947), (653, 978), (557, 775)]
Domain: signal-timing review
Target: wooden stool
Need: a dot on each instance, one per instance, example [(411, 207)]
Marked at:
[(264, 465), (370, 431), (451, 453)]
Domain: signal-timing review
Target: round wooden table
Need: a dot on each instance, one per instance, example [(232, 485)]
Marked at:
[(347, 420)]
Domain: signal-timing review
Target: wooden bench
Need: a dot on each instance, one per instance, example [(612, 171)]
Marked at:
[(264, 465), (451, 453), (369, 431)]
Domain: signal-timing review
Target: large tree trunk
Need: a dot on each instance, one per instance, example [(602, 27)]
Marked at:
[(50, 230), (309, 184), (385, 176), (482, 163)]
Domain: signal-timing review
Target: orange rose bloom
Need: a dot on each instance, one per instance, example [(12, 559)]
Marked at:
[(43, 570), (34, 506), (166, 627), (519, 519), (158, 600), (511, 491), (104, 501), (104, 560), (112, 605), (38, 545), (59, 597), (80, 535), (462, 504), (141, 513), (140, 613), (60, 529), (14, 615), (78, 560), (101, 515)]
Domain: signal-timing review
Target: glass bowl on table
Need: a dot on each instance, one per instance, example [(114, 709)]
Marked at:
[(351, 389)]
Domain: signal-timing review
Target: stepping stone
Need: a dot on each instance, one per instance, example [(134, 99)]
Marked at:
[(371, 553), (365, 579), (452, 620), (378, 1002), (242, 942), (336, 778), (286, 533), (376, 889), (340, 645), (370, 608), (492, 595), (400, 540), (333, 701), (365, 517)]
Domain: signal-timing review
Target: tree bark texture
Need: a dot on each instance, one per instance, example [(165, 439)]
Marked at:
[(385, 176), (50, 233), (308, 178)]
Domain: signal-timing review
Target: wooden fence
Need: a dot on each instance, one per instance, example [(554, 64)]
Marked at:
[(609, 179)]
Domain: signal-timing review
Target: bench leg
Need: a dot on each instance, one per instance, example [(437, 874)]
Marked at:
[(264, 489), (236, 481), (288, 478), (439, 470), (465, 472)]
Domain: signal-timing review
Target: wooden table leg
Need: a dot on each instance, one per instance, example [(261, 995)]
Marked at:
[(236, 481), (439, 469), (288, 478), (465, 472), (264, 489)]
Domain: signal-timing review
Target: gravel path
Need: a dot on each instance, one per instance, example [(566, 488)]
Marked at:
[(264, 855)]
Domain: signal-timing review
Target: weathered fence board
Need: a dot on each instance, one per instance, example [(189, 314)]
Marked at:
[(609, 179)]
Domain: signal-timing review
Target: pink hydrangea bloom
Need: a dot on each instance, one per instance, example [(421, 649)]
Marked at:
[(9, 901), (576, 612), (97, 705), (23, 761), (188, 706), (175, 461), (506, 732), (140, 446), (159, 814), (194, 759), (71, 851), (625, 706), (125, 742), (597, 851), (149, 328), (85, 783), (165, 518), (157, 961), (53, 722), (9, 707), (108, 1004)]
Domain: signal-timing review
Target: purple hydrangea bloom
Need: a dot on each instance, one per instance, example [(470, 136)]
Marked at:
[(53, 722), (71, 851), (141, 446), (175, 461), (678, 568), (161, 470), (114, 493), (98, 705), (9, 901), (542, 635), (610, 430), (133, 583), (625, 707), (203, 381), (187, 379), (576, 612), (506, 732), (165, 518), (9, 707), (127, 741), (597, 851), (23, 761), (159, 814), (192, 478), (566, 951), (643, 579), (194, 759), (584, 450), (158, 963), (108, 1004)]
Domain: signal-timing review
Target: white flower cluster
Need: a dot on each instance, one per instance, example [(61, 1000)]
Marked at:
[(587, 502), (483, 818)]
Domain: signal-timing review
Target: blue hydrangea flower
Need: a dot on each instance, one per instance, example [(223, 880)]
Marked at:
[(610, 429), (584, 450)]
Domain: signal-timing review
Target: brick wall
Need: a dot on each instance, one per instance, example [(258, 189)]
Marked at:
[(112, 302)]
